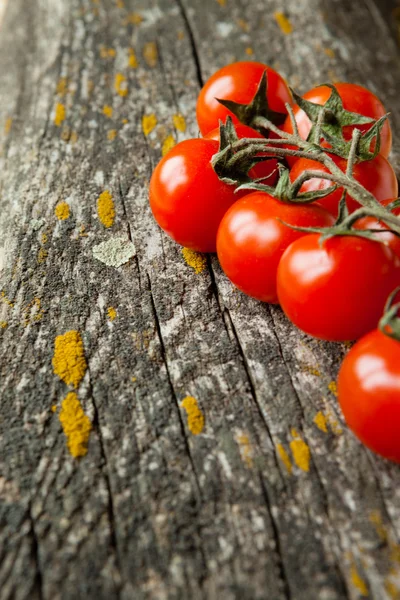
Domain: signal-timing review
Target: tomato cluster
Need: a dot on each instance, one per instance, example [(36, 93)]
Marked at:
[(294, 194)]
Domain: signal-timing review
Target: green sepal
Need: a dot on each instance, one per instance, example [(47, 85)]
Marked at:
[(284, 189), (390, 322), (220, 161), (335, 115), (341, 147), (258, 107)]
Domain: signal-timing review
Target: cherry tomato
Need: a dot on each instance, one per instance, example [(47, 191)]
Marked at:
[(356, 98), (377, 176), (369, 393), (251, 240), (187, 198), (266, 170), (336, 291), (390, 239), (238, 82)]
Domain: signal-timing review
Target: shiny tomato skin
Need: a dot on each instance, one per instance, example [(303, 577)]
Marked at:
[(336, 291), (187, 199), (356, 98), (238, 82), (369, 393), (266, 170), (391, 239), (377, 176), (251, 240)]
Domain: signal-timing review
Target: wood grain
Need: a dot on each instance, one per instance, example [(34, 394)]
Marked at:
[(275, 498)]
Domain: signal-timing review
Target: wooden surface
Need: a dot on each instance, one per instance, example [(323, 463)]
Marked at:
[(274, 499)]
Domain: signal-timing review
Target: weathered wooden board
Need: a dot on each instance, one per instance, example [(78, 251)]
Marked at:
[(274, 498)]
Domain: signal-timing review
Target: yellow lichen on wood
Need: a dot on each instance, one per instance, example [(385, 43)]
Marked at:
[(62, 211), (194, 259), (42, 255), (222, 2), (3, 324), (333, 422), (392, 590), (108, 111), (132, 60), (283, 22), (62, 86), (54, 408), (329, 52), (311, 370), (6, 300), (112, 134), (148, 123), (69, 361), (120, 84), (107, 52), (284, 456), (43, 239), (195, 417), (33, 312), (375, 518), (111, 313), (358, 582), (168, 143), (133, 379), (76, 425), (320, 421), (106, 209), (8, 125), (133, 19), (332, 387), (249, 51), (243, 24), (59, 114), (150, 53), (179, 122), (300, 451), (245, 449)]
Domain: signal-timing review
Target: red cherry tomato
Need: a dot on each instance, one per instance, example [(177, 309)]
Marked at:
[(187, 198), (238, 82), (390, 239), (266, 170), (251, 240), (336, 291), (369, 393), (377, 176), (356, 99)]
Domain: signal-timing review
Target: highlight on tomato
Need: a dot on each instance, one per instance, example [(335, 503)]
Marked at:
[(356, 99), (377, 176), (252, 238), (369, 391), (238, 82), (187, 199), (336, 290)]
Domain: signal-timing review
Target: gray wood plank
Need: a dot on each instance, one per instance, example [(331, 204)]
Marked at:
[(263, 503)]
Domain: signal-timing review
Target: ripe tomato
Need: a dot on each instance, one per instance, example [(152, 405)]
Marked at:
[(266, 170), (238, 82), (369, 393), (377, 176), (356, 98), (187, 198), (336, 291), (387, 237), (251, 240)]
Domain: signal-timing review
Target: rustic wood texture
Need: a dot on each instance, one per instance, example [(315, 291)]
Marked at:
[(275, 498)]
